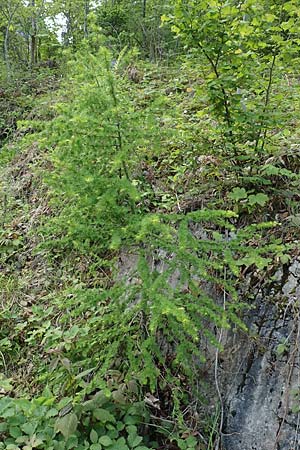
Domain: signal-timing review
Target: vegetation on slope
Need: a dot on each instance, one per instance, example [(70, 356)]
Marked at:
[(133, 204)]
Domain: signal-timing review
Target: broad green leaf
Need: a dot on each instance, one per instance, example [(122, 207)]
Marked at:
[(103, 415), (52, 413), (238, 194), (8, 413), (119, 397), (281, 348), (294, 220), (258, 199), (120, 426), (295, 409), (134, 440), (119, 446), (72, 443), (29, 428), (84, 373), (3, 427), (5, 384), (93, 437), (15, 432), (191, 441), (67, 425), (269, 17), (64, 402), (131, 429), (105, 441)]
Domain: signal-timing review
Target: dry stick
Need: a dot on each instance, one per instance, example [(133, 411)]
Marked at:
[(268, 98), (298, 416), (4, 362), (217, 446), (291, 363), (5, 201)]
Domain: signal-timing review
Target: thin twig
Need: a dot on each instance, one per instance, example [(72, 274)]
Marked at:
[(217, 445), (4, 362), (291, 364), (267, 99)]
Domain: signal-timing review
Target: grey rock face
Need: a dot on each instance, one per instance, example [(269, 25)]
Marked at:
[(263, 393), (259, 371)]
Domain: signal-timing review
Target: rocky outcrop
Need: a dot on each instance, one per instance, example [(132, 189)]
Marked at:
[(258, 372), (261, 384)]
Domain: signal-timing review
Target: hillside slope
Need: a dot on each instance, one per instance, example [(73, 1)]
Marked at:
[(132, 242)]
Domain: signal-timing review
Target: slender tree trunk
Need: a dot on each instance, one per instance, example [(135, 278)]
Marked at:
[(6, 50), (33, 37), (33, 50), (86, 13), (144, 8), (69, 28)]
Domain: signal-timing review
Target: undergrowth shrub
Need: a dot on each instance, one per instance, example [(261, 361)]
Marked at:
[(96, 136), (100, 422), (247, 55)]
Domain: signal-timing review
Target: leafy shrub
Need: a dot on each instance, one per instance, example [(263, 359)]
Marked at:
[(97, 423)]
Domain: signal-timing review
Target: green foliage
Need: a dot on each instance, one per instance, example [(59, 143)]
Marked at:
[(18, 100), (132, 24), (248, 200), (97, 423), (182, 262), (243, 51), (296, 400), (97, 136), (164, 189)]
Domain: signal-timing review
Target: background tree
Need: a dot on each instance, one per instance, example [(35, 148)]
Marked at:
[(9, 11), (137, 24)]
